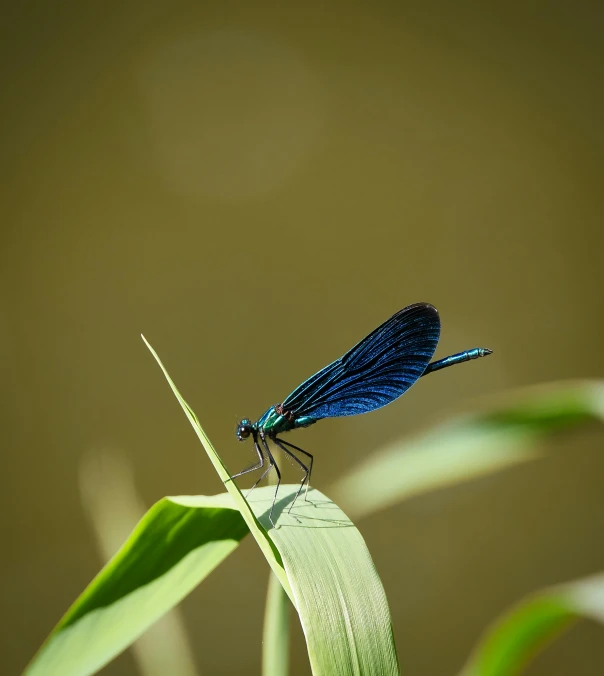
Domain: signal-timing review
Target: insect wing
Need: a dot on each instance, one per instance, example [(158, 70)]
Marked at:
[(376, 371)]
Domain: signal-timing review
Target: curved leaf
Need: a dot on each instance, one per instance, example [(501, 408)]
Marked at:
[(505, 433), (171, 550), (513, 640), (338, 593)]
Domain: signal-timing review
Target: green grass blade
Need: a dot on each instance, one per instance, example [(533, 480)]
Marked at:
[(275, 636), (172, 549), (516, 638), (504, 434), (259, 533)]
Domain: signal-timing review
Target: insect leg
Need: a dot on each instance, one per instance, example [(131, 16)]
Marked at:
[(266, 471), (287, 443), (259, 465), (280, 443), (273, 464)]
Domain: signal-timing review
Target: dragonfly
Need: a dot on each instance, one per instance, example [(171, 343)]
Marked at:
[(375, 372)]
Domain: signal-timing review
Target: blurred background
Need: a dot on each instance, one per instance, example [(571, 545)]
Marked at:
[(255, 186)]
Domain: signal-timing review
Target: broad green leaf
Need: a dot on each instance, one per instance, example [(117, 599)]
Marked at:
[(505, 433), (259, 533), (514, 639), (172, 549), (338, 593)]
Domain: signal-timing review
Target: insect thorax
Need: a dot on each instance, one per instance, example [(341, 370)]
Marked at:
[(288, 415), (278, 419)]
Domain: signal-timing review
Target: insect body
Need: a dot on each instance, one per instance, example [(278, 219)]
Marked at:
[(376, 371)]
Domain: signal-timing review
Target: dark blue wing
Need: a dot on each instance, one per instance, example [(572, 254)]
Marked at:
[(375, 371)]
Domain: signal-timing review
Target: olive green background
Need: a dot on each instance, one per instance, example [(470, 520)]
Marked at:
[(255, 186)]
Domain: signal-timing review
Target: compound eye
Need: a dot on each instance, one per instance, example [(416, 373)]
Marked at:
[(244, 429)]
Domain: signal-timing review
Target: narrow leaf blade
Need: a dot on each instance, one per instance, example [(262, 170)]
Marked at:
[(259, 533), (507, 432), (516, 638), (275, 635)]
